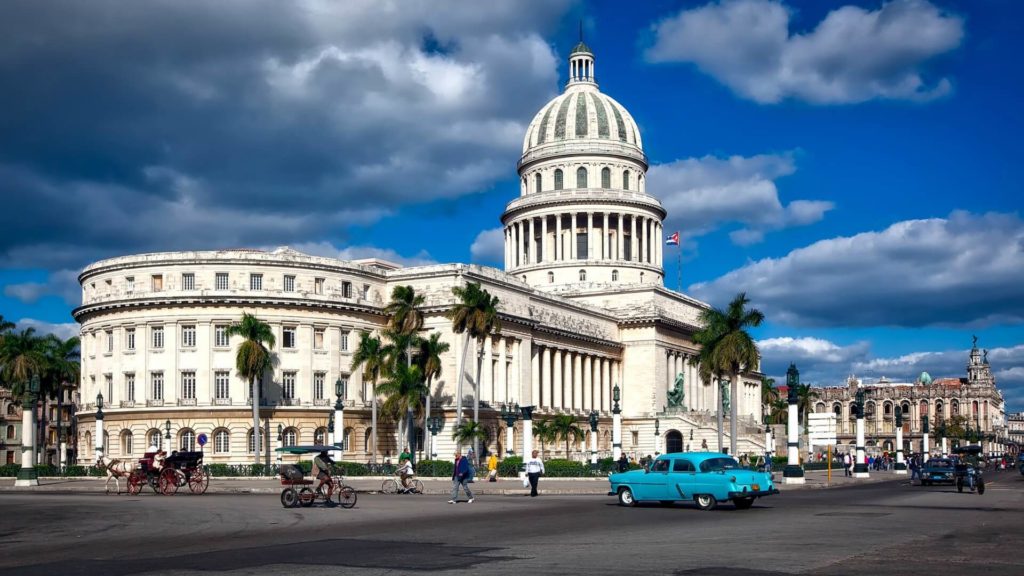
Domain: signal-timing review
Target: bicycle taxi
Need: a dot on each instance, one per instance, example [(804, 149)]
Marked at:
[(300, 491)]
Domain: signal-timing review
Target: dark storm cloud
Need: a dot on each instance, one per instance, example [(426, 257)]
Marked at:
[(161, 125)]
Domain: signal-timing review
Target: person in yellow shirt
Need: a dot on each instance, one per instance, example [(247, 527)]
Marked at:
[(492, 468)]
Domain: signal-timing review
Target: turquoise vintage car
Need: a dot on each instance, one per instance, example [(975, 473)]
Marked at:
[(706, 478)]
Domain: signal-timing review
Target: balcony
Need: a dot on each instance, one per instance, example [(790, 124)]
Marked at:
[(127, 404), (291, 402), (186, 401), (322, 402), (154, 403), (222, 402)]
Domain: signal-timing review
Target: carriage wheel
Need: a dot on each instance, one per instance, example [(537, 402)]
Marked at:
[(306, 497), (347, 497), (198, 481), (135, 482), (289, 498), (169, 482)]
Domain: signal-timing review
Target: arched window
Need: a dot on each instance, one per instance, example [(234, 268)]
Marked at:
[(10, 432), (320, 437), (551, 277), (819, 408), (581, 177), (187, 440), (346, 443), (974, 408), (127, 443), (367, 439), (536, 181), (615, 275), (837, 409), (154, 440), (221, 441), (955, 407), (923, 408), (291, 436), (939, 410), (606, 177), (625, 179), (11, 410), (558, 179), (583, 275), (249, 443), (887, 409)]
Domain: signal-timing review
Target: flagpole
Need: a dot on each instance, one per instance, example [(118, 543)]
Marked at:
[(679, 268)]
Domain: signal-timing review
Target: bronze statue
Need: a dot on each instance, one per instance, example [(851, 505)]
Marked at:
[(677, 394)]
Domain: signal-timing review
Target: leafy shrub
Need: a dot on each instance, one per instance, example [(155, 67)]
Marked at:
[(509, 467), (435, 468)]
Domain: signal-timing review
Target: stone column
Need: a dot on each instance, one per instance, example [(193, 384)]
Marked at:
[(557, 382), (606, 385), (860, 468), (590, 235), (572, 236), (793, 473), (602, 233), (558, 251), (620, 239), (535, 373), (588, 382), (510, 437), (545, 378), (501, 386), (634, 241), (577, 381), (901, 467), (544, 254), (660, 244), (27, 474), (527, 430), (486, 382)]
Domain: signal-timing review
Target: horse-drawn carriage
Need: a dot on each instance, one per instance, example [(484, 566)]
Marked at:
[(164, 474)]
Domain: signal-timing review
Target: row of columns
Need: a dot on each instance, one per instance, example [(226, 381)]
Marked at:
[(604, 242), (500, 379), (570, 380)]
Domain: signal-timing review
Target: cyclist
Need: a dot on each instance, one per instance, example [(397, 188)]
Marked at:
[(405, 472), (322, 469)]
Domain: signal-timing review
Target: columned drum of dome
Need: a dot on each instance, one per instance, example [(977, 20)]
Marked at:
[(584, 218)]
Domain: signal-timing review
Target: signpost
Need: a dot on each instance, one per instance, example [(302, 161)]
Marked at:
[(821, 431), (202, 439)]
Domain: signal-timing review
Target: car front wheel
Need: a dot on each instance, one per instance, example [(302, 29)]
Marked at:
[(626, 497), (705, 501)]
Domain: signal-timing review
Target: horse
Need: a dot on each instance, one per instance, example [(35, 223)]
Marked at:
[(116, 469)]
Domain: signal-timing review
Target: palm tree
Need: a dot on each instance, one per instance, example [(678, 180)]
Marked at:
[(779, 412), (805, 395), (476, 314), (63, 369), (732, 349), (406, 320), (5, 326), (708, 373), (542, 431), (370, 355), (22, 355), (469, 431), (252, 360), (428, 358), (769, 396), (564, 427), (404, 390)]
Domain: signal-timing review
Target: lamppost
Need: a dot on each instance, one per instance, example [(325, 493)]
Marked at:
[(657, 436), (167, 436), (280, 442), (27, 475), (99, 427), (616, 425), (527, 412), (769, 446), (924, 439), (860, 466), (339, 415), (593, 438), (793, 473), (901, 466), (434, 425), (510, 414)]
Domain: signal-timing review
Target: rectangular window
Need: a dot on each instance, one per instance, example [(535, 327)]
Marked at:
[(129, 284), (221, 282), (289, 283), (255, 281), (221, 385), (318, 338), (346, 289), (129, 338), (156, 389), (157, 282), (288, 340), (110, 341), (318, 385), (188, 385), (158, 337), (188, 281), (220, 336), (289, 385), (129, 387), (188, 336), (109, 378), (318, 285), (344, 340)]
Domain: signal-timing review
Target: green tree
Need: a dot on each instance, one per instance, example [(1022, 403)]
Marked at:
[(543, 432), (5, 326), (22, 355), (403, 389), (428, 358), (63, 369), (564, 427), (805, 396), (370, 355), (731, 349), (406, 319), (252, 359), (769, 396), (469, 431)]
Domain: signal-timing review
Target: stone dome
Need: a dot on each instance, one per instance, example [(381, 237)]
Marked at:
[(582, 113)]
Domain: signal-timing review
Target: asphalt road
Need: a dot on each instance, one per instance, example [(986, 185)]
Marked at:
[(875, 529)]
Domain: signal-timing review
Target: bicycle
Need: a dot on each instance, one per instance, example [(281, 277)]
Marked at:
[(394, 486)]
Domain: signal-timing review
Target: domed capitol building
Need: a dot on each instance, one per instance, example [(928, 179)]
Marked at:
[(585, 316)]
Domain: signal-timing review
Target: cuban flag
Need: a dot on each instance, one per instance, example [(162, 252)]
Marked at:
[(673, 240)]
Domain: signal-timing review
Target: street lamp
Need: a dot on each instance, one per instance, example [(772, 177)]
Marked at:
[(901, 467), (100, 444), (434, 426), (510, 414), (593, 420), (616, 425), (27, 474), (167, 435), (338, 417), (793, 473)]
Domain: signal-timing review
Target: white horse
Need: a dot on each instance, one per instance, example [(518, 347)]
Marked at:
[(116, 469)]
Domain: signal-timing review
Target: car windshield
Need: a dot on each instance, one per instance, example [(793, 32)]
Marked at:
[(716, 464), (937, 463)]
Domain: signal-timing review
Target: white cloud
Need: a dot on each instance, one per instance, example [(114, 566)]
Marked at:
[(489, 247), (61, 283), (703, 194), (62, 331), (964, 270), (853, 55)]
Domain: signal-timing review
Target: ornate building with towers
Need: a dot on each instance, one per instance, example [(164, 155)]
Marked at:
[(588, 327)]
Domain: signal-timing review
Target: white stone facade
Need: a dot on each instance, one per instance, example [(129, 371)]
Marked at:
[(581, 313)]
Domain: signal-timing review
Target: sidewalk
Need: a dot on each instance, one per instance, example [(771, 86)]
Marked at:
[(815, 479)]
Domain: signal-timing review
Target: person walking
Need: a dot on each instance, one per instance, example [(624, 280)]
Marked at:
[(460, 477), (534, 468), (623, 463), (846, 464), (492, 467)]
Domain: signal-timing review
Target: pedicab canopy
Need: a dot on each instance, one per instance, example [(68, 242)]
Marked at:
[(308, 449)]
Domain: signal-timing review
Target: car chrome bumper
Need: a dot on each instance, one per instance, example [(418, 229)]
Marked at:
[(752, 494)]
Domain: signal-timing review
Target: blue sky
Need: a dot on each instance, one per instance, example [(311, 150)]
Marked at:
[(849, 164)]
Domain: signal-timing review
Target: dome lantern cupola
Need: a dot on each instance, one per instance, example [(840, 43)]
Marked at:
[(581, 63)]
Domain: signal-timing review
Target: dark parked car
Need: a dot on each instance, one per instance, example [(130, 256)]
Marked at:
[(938, 470)]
